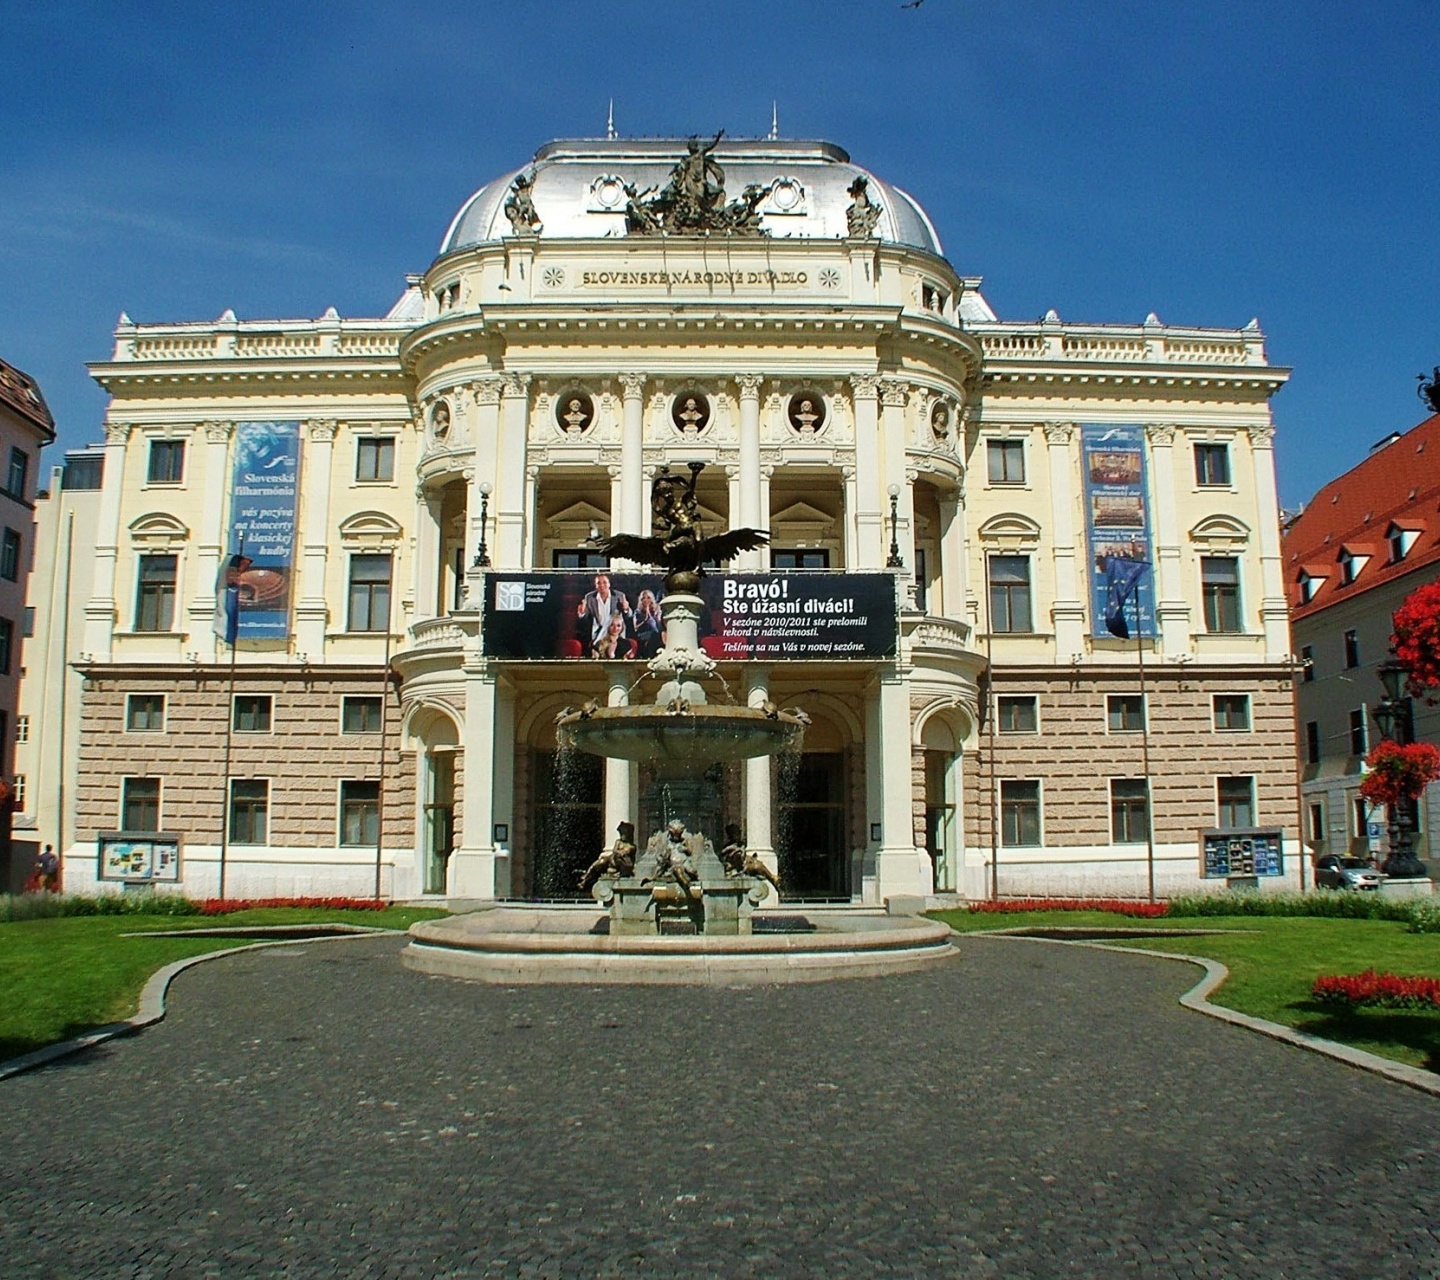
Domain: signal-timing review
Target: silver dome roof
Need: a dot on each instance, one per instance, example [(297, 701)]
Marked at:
[(578, 190)]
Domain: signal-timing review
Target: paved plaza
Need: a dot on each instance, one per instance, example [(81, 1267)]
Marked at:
[(1029, 1110)]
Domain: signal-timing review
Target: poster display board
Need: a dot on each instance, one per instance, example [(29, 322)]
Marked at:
[(264, 501), (1242, 851), (1117, 517), (815, 617), (134, 857)]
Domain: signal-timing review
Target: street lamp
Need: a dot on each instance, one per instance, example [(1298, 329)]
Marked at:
[(482, 556), (894, 561), (1392, 715)]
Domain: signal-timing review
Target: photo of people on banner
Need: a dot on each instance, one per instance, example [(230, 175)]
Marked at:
[(616, 616), (1117, 528)]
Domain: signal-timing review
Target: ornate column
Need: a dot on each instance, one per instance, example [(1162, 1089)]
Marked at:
[(487, 450), (1274, 615), (310, 609), (618, 496), (211, 541), (759, 803), (953, 551), (619, 792), (509, 496), (893, 397), (870, 534), (1067, 614), (750, 514), (101, 610), (629, 517), (1172, 613), (429, 511)]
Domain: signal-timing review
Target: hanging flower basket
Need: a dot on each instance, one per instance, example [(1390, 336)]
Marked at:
[(1400, 772), (1416, 641)]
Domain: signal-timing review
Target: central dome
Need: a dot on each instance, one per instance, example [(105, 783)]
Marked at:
[(579, 190)]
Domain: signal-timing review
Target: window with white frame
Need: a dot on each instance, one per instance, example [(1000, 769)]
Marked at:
[(10, 555), (1220, 588), (360, 813), (1212, 464), (1006, 461), (360, 713), (1400, 540), (22, 728), (1359, 733), (1129, 810), (140, 804), (1019, 813), (375, 459), (369, 592), (253, 712), (145, 713), (1009, 594), (1231, 712), (166, 462), (249, 810), (1235, 799), (1018, 713), (155, 593), (1125, 712)]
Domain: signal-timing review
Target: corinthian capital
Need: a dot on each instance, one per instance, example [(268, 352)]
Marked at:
[(749, 384), (633, 384), (321, 430), (894, 393), (1161, 433), (1059, 432), (486, 390), (866, 385), (515, 384), (1262, 435), (117, 432), (219, 432)]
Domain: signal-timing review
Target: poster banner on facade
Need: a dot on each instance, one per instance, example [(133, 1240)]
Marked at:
[(139, 859), (1242, 851), (264, 501), (1117, 519), (769, 617)]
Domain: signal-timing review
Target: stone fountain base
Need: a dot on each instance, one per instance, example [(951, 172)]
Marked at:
[(713, 907), (516, 944)]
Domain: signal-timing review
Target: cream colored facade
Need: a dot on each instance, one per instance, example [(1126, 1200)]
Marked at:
[(906, 783)]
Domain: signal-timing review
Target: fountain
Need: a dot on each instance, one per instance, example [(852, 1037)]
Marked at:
[(677, 911)]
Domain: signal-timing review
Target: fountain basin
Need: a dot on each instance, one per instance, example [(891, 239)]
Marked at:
[(516, 944), (696, 737)]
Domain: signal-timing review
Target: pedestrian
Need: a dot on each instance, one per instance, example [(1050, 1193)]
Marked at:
[(49, 868)]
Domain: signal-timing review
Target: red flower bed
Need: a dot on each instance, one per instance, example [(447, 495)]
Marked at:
[(1117, 906), (1416, 641), (1377, 990), (1400, 772), (224, 906)]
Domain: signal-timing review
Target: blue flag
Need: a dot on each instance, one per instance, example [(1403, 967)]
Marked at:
[(1122, 577), (227, 598)]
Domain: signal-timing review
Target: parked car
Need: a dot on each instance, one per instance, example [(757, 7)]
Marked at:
[(1334, 872)]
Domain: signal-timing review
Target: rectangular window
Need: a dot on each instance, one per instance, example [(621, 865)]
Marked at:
[(155, 594), (1359, 735), (1236, 798), (1352, 650), (145, 713), (1212, 464), (1317, 824), (1220, 585), (1019, 814), (1307, 660), (249, 810), (18, 474), (22, 728), (252, 712), (375, 458), (1129, 810), (1312, 742), (140, 804), (1232, 712), (7, 645), (1360, 818), (10, 555), (1009, 593), (922, 577), (794, 558), (1006, 460), (167, 462), (19, 795), (27, 623), (360, 813), (360, 714), (369, 593), (1018, 713), (579, 559), (1125, 712)]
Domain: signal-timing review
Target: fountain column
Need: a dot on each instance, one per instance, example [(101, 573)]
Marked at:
[(619, 794), (759, 801)]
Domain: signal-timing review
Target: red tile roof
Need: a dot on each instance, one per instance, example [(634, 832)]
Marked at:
[(20, 392), (1397, 485)]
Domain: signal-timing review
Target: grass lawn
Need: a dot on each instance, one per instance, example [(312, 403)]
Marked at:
[(66, 975), (1274, 960)]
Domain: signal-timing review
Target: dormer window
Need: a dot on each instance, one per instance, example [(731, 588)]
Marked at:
[(1351, 563), (1400, 540), (1310, 583)]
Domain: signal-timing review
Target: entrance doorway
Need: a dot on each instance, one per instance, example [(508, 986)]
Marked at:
[(810, 835), (569, 820)]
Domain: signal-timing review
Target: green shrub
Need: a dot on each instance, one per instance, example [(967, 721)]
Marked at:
[(1348, 906), (44, 906), (1425, 916)]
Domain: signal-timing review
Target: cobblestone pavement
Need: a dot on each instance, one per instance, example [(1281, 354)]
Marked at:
[(1028, 1110)]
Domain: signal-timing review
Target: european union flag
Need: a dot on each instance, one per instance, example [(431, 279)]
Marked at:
[(227, 598), (1122, 576)]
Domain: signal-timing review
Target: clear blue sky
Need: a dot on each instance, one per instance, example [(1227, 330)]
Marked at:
[(1209, 162)]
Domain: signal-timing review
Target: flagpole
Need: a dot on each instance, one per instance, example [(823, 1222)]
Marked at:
[(1145, 751), (229, 727)]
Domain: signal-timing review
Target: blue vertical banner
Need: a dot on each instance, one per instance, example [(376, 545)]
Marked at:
[(264, 505), (1117, 522)]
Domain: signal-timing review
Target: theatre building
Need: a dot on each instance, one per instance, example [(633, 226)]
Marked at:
[(417, 500)]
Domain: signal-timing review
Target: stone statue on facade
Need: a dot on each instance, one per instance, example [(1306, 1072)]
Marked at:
[(519, 207), (863, 215), (693, 201)]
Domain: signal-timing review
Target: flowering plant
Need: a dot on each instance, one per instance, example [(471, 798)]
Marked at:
[(1400, 772), (1386, 990), (1416, 640), (224, 906), (1118, 906)]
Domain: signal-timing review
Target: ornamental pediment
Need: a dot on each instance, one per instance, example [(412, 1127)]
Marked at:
[(1010, 526), (370, 530)]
